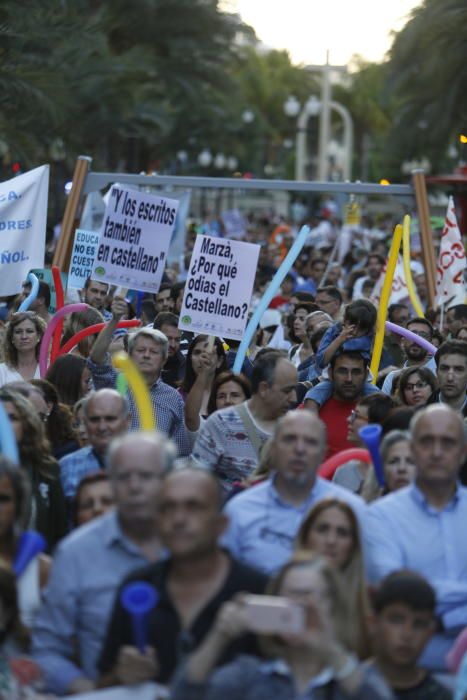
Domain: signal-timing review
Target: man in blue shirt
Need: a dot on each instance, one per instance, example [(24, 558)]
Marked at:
[(422, 527), (264, 520), (90, 563), (106, 415)]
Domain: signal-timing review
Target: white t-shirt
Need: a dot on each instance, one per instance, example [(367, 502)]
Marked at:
[(9, 374)]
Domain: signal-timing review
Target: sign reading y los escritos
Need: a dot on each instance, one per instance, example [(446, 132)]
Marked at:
[(23, 220), (134, 239)]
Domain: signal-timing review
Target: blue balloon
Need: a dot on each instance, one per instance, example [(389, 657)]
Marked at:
[(371, 436), (7, 437), (276, 282), (139, 598), (30, 544), (26, 303)]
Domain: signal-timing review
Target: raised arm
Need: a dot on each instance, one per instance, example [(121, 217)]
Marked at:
[(101, 346)]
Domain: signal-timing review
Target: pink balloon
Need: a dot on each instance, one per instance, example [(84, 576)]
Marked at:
[(49, 331), (328, 467), (425, 344)]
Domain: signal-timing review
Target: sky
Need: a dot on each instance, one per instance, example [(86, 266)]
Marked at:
[(308, 28)]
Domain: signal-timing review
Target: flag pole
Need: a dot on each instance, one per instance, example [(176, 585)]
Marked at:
[(428, 251), (65, 242)]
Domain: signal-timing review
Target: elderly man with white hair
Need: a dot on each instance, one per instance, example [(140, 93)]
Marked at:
[(148, 348)]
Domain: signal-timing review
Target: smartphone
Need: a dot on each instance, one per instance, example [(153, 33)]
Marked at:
[(271, 614)]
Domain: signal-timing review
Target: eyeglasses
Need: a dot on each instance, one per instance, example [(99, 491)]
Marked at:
[(355, 414), (416, 385)]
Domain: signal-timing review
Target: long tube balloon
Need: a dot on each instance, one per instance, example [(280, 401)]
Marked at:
[(60, 303), (327, 469), (32, 296), (269, 294), (49, 331), (138, 386), (384, 301), (92, 330), (8, 443), (410, 335), (407, 271), (371, 436)]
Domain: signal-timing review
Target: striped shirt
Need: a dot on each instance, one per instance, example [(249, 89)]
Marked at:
[(167, 405)]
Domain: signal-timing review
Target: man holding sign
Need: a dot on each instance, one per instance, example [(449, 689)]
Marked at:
[(148, 349)]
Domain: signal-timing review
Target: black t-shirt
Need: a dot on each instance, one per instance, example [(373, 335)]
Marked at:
[(428, 689), (165, 633)]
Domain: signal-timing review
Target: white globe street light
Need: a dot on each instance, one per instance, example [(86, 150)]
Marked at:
[(219, 161), (232, 163), (205, 158), (292, 106), (248, 116)]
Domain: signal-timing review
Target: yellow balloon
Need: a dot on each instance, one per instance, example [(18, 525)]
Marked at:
[(407, 271), (384, 301), (138, 386)]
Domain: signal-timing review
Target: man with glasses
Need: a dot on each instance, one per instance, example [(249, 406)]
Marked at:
[(329, 300), (415, 354)]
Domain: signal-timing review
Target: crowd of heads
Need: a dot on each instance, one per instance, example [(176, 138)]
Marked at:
[(303, 396)]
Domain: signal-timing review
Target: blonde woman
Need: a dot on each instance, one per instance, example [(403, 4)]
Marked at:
[(331, 530)]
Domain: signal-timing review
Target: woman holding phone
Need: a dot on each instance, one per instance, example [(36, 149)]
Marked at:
[(310, 661)]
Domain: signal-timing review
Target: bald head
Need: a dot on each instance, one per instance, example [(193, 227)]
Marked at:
[(297, 449), (303, 418), (438, 446), (436, 411), (106, 415), (190, 516)]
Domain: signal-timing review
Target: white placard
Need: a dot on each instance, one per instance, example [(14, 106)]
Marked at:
[(82, 257), (23, 219), (134, 239), (219, 287)]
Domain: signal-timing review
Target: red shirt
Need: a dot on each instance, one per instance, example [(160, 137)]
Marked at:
[(334, 415)]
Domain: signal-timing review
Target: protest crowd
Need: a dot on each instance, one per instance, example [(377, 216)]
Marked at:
[(214, 521)]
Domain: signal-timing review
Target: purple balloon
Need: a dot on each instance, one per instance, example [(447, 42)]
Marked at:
[(425, 344)]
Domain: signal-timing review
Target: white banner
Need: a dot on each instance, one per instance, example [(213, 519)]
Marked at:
[(399, 290), (134, 239), (450, 283), (82, 257), (218, 287), (23, 220)]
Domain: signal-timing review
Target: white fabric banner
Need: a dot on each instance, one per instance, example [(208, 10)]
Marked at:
[(450, 283), (23, 220), (399, 291)]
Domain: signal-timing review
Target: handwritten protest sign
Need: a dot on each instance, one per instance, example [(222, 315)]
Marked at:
[(82, 257), (134, 239), (219, 286), (23, 218)]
